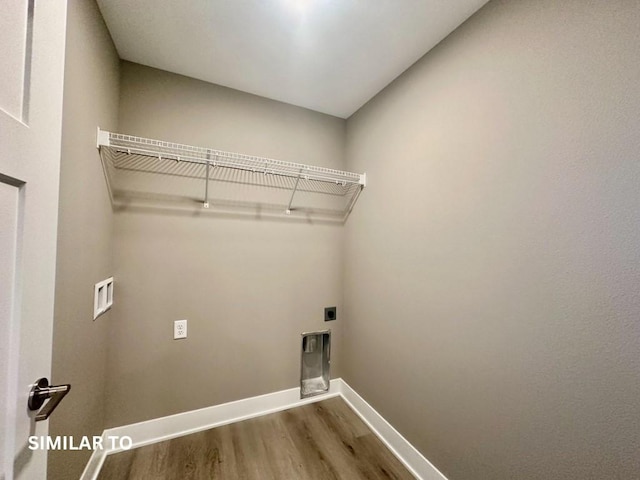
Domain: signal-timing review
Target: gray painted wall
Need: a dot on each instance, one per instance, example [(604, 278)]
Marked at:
[(491, 286), (248, 286), (85, 224)]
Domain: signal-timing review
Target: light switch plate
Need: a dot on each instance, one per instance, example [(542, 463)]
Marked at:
[(179, 329)]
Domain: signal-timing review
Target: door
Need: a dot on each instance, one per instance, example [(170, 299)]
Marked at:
[(32, 36)]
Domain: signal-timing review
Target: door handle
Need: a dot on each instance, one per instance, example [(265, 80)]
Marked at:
[(42, 391)]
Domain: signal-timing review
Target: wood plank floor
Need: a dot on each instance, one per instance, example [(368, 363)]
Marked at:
[(322, 440)]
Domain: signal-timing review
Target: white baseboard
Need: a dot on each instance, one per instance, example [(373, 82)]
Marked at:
[(93, 466), (165, 428), (415, 462), (172, 426)]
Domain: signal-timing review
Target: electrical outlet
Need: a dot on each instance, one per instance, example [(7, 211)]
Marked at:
[(330, 313), (179, 329)]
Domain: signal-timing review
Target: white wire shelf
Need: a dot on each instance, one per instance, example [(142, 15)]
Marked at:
[(157, 171)]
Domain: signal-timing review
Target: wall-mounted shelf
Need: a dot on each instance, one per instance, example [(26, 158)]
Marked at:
[(142, 170)]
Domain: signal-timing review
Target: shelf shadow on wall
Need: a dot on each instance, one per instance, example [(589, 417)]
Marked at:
[(181, 205)]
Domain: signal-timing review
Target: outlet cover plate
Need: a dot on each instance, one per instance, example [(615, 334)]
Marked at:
[(179, 329)]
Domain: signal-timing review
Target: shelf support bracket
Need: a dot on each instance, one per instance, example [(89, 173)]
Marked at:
[(206, 182), (288, 210), (206, 188)]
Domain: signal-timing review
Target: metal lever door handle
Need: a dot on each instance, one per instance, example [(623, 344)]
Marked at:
[(42, 391)]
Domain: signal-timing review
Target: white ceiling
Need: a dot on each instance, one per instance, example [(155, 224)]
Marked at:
[(331, 56)]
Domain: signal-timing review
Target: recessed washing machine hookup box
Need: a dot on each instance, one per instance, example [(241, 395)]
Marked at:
[(315, 360)]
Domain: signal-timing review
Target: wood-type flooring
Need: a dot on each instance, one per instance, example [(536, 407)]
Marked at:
[(318, 441)]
